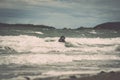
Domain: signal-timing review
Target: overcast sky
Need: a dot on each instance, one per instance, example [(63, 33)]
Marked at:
[(60, 13)]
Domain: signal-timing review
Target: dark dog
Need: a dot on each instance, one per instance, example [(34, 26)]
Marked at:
[(62, 39)]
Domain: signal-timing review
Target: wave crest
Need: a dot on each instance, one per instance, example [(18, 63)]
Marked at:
[(24, 43)]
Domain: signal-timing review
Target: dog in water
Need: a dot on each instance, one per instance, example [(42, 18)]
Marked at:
[(62, 39)]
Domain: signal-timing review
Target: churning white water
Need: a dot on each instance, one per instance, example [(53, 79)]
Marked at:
[(38, 53)]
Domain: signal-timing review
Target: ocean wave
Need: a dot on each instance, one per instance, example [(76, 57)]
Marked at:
[(118, 48), (39, 32), (24, 43), (93, 32), (38, 59)]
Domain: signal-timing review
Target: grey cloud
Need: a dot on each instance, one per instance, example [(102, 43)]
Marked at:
[(71, 11)]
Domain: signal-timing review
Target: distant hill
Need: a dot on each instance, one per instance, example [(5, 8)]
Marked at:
[(82, 28), (109, 25), (25, 25)]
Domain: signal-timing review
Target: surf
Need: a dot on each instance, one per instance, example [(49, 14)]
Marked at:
[(25, 43)]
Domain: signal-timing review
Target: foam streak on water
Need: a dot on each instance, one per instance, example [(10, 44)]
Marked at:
[(38, 59)]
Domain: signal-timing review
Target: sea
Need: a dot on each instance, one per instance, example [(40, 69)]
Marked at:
[(35, 52)]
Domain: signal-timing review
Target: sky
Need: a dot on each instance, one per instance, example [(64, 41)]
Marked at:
[(60, 13)]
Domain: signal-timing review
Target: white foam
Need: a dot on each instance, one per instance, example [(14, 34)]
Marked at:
[(16, 78), (93, 32), (38, 59), (92, 41), (58, 73), (39, 32), (24, 43)]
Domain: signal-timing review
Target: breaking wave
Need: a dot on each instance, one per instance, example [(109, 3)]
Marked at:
[(38, 59), (33, 44)]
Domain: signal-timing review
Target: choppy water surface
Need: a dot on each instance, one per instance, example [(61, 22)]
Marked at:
[(37, 52)]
